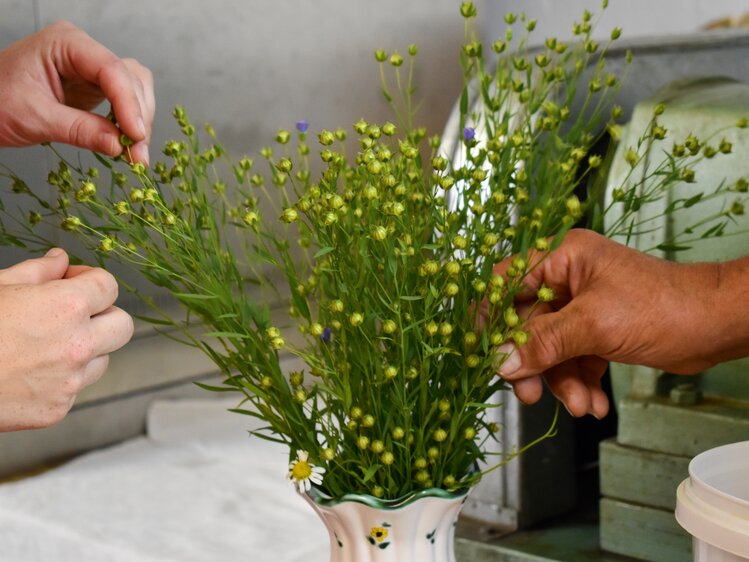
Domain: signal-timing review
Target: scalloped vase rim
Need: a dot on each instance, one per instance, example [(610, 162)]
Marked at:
[(323, 499)]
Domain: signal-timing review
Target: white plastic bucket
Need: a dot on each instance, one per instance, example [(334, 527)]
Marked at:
[(713, 504)]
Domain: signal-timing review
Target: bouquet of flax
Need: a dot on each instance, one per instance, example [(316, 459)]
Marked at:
[(386, 257)]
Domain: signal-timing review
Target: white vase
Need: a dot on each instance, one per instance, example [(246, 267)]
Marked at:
[(417, 528)]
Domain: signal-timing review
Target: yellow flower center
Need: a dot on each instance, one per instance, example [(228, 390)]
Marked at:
[(379, 533), (301, 471)]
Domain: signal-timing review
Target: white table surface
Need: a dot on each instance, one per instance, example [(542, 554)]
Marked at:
[(196, 488)]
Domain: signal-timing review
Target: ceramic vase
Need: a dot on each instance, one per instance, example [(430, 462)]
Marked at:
[(417, 528)]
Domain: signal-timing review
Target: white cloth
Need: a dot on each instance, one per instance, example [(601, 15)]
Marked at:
[(197, 488)]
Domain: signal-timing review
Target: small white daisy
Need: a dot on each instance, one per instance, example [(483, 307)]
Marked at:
[(303, 473)]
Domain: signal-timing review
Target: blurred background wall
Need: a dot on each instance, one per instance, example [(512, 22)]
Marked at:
[(637, 18)]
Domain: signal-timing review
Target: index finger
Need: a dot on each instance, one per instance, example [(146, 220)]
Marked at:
[(75, 270), (96, 64), (556, 269), (98, 287), (534, 276)]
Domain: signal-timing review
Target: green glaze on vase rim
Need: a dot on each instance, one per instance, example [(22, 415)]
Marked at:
[(322, 499)]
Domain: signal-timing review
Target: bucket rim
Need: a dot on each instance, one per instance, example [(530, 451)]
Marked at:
[(709, 457), (708, 513)]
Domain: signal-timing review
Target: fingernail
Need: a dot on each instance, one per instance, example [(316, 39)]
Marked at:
[(139, 153), (54, 252), (592, 412), (110, 145), (141, 127), (511, 362)]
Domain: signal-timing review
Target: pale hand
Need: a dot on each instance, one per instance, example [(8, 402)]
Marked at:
[(58, 327), (51, 80)]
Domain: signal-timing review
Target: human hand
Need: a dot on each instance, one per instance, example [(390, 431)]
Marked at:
[(51, 80), (57, 327), (612, 304)]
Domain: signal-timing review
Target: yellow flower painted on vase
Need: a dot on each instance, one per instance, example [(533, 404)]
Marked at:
[(378, 533)]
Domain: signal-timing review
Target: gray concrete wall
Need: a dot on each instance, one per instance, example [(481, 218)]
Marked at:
[(255, 66), (637, 18)]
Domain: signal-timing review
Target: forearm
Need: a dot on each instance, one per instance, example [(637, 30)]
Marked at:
[(728, 311)]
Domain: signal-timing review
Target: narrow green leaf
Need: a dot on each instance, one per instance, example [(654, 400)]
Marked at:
[(195, 297), (228, 335), (152, 320), (324, 251), (692, 201), (213, 388), (103, 161), (483, 405), (245, 412), (269, 438), (370, 473)]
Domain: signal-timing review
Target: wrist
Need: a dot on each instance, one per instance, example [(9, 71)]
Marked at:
[(725, 310)]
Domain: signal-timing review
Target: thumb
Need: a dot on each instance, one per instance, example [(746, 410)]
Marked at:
[(553, 338), (49, 267), (82, 129)]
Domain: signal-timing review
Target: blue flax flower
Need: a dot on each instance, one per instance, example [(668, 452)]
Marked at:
[(326, 334)]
